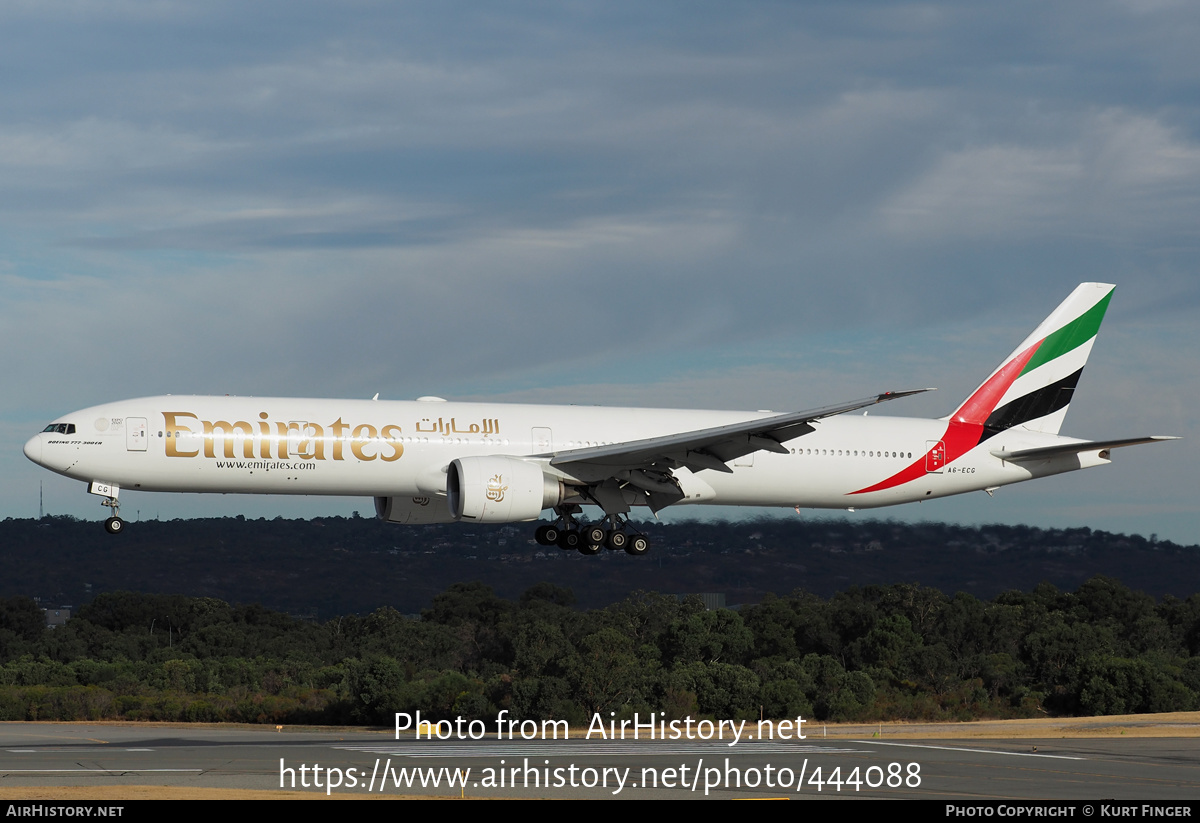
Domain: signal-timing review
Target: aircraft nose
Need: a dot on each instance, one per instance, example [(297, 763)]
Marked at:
[(33, 449)]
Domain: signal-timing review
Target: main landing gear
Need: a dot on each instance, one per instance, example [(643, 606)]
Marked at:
[(590, 538)]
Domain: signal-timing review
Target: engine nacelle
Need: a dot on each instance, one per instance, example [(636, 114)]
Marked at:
[(499, 490), (412, 511)]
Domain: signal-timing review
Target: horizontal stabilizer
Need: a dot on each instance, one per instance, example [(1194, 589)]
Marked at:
[(1047, 452)]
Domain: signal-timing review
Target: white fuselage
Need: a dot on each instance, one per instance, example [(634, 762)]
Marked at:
[(383, 449)]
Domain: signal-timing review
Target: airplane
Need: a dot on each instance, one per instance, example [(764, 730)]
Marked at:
[(436, 461)]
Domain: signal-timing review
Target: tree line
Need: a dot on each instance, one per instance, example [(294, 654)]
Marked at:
[(870, 653)]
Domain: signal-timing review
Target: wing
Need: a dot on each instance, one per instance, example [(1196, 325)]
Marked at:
[(647, 464)]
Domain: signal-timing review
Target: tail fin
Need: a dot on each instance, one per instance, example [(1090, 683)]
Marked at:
[(1034, 384)]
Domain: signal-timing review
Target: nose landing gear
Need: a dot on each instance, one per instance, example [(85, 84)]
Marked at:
[(114, 524)]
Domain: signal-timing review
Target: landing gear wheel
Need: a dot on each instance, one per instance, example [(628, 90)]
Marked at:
[(546, 535), (637, 545), (568, 539), (114, 524), (593, 535), (589, 548), (617, 540)]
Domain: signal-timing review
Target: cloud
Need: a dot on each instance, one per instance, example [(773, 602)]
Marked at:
[(623, 203), (1118, 173)]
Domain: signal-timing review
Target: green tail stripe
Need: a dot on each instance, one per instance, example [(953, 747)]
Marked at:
[(1069, 337)]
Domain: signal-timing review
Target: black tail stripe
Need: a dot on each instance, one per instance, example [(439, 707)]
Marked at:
[(1039, 403)]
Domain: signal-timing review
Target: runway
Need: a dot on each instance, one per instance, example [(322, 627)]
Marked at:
[(374, 763)]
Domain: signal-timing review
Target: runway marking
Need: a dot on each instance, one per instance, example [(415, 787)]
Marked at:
[(91, 771), (576, 748), (972, 751), (72, 749)]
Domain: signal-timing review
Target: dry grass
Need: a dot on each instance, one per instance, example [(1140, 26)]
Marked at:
[(1172, 724)]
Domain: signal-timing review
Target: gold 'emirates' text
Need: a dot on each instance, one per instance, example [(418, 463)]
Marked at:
[(265, 440)]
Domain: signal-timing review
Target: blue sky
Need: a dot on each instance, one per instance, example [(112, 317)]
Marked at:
[(753, 205)]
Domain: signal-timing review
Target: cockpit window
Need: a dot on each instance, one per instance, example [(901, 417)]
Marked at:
[(60, 428)]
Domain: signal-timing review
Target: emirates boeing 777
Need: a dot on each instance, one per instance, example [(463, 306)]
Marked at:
[(435, 461)]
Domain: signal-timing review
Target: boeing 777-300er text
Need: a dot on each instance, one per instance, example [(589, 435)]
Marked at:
[(433, 461)]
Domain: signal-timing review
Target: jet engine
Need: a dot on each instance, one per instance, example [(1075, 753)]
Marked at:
[(499, 490)]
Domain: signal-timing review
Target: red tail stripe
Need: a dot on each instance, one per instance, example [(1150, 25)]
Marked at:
[(985, 399), (966, 424)]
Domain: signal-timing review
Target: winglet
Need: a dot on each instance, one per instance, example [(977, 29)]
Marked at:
[(892, 395)]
